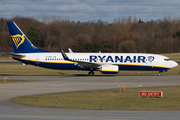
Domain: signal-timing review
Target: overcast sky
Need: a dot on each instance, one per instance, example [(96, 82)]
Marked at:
[(87, 10)]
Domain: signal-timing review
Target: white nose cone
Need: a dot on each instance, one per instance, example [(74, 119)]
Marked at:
[(174, 64)]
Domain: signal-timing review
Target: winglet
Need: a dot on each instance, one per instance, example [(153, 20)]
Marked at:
[(70, 51), (64, 55)]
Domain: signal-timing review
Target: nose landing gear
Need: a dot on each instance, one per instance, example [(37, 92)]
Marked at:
[(159, 74)]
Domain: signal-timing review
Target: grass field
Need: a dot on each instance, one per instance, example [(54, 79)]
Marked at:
[(7, 59), (18, 69), (109, 99), (173, 56), (16, 81)]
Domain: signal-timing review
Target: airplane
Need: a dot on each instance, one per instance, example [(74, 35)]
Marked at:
[(106, 63)]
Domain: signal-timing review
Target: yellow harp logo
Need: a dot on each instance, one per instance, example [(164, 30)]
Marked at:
[(18, 40)]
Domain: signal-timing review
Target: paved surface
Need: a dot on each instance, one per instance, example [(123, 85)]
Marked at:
[(51, 84)]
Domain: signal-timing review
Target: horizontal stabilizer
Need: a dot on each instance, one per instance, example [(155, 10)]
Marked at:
[(16, 55)]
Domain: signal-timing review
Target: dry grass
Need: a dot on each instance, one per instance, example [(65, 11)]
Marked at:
[(173, 56), (109, 99), (16, 81), (7, 59), (19, 69)]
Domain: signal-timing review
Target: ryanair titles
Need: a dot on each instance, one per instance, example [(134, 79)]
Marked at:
[(117, 59)]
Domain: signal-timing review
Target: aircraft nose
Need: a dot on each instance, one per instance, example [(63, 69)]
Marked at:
[(175, 64)]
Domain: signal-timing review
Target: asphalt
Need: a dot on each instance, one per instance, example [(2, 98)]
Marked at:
[(52, 84)]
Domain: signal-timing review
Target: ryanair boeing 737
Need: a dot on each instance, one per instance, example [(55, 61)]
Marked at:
[(107, 63)]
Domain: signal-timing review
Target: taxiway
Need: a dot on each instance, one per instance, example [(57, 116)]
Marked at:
[(52, 84)]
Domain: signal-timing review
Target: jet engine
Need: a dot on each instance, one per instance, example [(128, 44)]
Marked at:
[(109, 69)]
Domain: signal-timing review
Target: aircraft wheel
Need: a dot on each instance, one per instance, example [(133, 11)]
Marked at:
[(91, 73), (159, 74)]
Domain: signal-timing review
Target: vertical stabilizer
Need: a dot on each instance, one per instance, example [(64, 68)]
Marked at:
[(20, 42)]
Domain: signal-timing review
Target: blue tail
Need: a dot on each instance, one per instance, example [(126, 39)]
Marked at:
[(20, 42)]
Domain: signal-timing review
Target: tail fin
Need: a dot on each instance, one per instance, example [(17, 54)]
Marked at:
[(20, 42)]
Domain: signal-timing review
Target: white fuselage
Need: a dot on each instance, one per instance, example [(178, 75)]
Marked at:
[(125, 61)]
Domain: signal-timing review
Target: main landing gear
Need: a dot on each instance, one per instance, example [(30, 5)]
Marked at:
[(91, 73), (161, 72)]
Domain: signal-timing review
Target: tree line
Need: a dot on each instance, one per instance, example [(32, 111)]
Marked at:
[(123, 35)]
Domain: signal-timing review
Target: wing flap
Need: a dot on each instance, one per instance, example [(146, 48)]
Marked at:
[(87, 64)]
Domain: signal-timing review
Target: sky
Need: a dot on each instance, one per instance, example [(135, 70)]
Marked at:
[(90, 10)]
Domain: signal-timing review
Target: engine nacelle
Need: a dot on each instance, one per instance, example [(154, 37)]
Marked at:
[(109, 69)]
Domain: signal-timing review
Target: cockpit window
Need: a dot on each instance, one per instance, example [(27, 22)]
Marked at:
[(167, 59)]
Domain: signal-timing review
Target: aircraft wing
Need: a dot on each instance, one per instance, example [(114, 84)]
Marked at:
[(81, 63), (70, 51), (88, 64)]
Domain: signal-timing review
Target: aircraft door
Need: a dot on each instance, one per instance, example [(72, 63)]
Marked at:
[(157, 60), (37, 60)]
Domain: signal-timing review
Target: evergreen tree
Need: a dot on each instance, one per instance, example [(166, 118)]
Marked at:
[(35, 37)]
